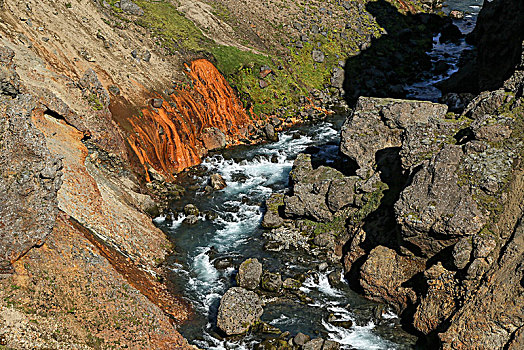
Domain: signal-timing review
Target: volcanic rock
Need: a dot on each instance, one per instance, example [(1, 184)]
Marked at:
[(239, 309)]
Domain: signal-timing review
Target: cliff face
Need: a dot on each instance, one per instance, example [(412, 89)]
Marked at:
[(96, 94), (428, 214), (498, 37), (74, 236)]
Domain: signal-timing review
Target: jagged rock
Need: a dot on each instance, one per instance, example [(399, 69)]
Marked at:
[(239, 309), (217, 182), (491, 129), (272, 282), (321, 344), (310, 187), (128, 6), (462, 252), (378, 124), (213, 138), (300, 339), (272, 218), (487, 102), (249, 274), (191, 209), (493, 324), (439, 302), (435, 204), (483, 245), (341, 193), (383, 274)]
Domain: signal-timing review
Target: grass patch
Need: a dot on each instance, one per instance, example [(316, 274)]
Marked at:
[(171, 28), (230, 59)]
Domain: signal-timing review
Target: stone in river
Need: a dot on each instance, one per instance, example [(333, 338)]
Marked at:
[(239, 309)]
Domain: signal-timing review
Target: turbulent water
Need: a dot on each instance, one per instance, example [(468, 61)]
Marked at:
[(252, 174), (448, 52), (237, 233)]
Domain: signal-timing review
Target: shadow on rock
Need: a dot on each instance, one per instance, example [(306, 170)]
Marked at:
[(399, 56)]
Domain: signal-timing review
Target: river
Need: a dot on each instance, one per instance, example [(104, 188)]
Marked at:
[(252, 174)]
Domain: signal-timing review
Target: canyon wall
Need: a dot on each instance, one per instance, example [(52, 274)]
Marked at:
[(97, 96), (425, 205)]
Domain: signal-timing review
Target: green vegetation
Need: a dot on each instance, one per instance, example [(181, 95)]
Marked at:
[(335, 226), (172, 30), (94, 102), (230, 60)]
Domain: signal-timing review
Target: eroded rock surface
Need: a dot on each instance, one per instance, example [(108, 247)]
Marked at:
[(30, 174), (239, 310)]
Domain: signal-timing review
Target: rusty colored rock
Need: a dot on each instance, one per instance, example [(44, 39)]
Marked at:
[(211, 103)]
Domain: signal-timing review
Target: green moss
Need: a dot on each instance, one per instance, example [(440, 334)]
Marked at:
[(371, 202), (274, 202), (230, 60), (335, 226), (172, 30), (94, 102)]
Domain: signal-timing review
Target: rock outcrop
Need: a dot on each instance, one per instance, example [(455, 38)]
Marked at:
[(73, 228), (431, 218), (498, 37), (30, 174)]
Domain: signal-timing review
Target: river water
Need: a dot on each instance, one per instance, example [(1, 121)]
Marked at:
[(252, 174)]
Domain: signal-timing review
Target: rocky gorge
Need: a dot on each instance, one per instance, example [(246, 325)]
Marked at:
[(109, 106)]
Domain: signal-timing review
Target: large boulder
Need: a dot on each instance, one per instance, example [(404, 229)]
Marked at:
[(383, 276), (439, 301), (213, 138), (249, 274), (239, 309), (310, 190), (379, 123), (272, 217), (435, 210)]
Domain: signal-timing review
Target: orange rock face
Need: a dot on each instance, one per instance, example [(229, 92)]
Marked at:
[(169, 138)]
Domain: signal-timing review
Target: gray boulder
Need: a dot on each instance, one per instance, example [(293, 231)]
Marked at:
[(131, 8), (239, 309), (272, 282), (272, 218), (249, 274), (318, 56)]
